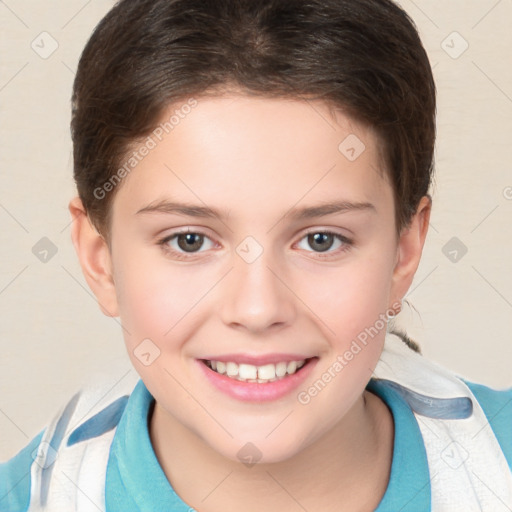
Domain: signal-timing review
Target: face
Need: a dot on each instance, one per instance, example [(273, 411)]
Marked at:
[(259, 232)]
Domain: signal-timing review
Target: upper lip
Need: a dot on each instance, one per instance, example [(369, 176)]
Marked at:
[(257, 360)]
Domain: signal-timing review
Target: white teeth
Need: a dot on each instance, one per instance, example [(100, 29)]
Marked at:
[(247, 371), (292, 366), (281, 369), (231, 369), (250, 373), (267, 372)]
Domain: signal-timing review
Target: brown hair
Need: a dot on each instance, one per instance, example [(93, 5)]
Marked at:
[(361, 56)]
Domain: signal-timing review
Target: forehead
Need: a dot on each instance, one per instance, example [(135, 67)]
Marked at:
[(253, 151)]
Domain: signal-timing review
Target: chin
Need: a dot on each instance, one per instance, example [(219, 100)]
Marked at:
[(259, 451)]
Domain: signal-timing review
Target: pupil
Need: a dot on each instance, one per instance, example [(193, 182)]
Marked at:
[(192, 241), (316, 239)]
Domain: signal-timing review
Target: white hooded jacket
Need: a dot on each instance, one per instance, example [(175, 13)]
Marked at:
[(468, 469)]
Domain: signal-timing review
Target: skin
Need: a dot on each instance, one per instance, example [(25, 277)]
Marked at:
[(258, 158)]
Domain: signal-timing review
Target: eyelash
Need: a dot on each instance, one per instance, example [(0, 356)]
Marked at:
[(347, 243)]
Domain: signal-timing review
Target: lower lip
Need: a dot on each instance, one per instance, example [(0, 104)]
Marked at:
[(258, 391)]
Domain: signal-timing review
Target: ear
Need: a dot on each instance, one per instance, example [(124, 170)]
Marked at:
[(410, 246), (95, 259)]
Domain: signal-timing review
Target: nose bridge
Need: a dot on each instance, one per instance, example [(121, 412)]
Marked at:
[(256, 298)]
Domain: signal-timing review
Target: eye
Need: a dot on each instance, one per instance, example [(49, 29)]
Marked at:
[(186, 242), (322, 241)]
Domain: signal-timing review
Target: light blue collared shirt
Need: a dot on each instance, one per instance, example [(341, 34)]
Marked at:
[(135, 480)]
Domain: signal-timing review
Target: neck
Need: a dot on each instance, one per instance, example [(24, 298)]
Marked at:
[(346, 469)]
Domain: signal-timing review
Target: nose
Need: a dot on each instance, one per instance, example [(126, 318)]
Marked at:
[(256, 297)]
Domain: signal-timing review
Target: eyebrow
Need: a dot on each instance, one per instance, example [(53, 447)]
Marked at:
[(307, 212)]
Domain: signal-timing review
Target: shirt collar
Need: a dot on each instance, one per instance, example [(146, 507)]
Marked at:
[(136, 481), (409, 482)]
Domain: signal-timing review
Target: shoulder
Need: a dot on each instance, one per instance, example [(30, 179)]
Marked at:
[(15, 477), (496, 403), (86, 419), (497, 406), (489, 395)]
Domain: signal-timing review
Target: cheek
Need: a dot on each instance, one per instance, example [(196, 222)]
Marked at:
[(350, 298), (155, 297), (352, 302)]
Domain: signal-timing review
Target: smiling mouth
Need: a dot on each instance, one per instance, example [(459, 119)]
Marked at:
[(260, 374)]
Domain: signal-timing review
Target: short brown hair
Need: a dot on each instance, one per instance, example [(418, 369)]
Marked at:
[(362, 56)]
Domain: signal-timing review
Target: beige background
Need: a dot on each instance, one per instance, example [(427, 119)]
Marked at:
[(53, 337)]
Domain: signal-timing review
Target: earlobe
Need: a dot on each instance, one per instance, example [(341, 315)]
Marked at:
[(410, 247), (95, 258)]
